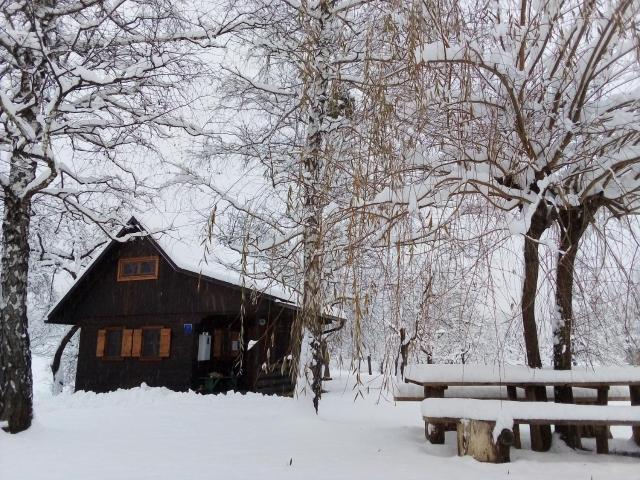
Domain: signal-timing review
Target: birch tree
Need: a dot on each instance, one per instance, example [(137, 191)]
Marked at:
[(80, 77)]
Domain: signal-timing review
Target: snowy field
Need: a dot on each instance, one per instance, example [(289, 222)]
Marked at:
[(153, 433)]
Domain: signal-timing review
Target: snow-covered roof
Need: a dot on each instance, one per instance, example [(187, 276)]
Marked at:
[(178, 239), (186, 246)]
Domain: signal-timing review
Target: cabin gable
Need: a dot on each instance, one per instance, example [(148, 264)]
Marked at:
[(101, 294)]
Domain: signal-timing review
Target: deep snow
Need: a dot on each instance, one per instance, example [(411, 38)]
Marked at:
[(152, 433)]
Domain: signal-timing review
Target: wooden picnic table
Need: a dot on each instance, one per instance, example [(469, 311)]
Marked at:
[(486, 429), (409, 392), (520, 376), (435, 379)]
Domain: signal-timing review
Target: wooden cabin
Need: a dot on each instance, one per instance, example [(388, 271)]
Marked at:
[(147, 315)]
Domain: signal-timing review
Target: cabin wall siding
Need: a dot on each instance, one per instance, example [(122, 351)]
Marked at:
[(100, 375)]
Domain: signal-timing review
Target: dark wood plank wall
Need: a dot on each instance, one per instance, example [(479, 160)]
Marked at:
[(172, 300), (101, 295), (100, 375)]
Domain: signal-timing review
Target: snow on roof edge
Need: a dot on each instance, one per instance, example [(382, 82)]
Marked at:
[(174, 250)]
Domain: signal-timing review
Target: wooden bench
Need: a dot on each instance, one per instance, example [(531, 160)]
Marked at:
[(437, 379), (485, 427), (407, 392)]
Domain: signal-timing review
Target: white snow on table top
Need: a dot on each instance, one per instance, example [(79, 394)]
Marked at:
[(412, 391), (492, 410), (511, 374)]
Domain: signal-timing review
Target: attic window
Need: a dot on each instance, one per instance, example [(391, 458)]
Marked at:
[(137, 268)]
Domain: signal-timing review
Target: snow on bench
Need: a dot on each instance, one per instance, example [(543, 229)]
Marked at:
[(485, 428), (506, 413), (409, 392), (437, 380), (412, 392), (478, 375)]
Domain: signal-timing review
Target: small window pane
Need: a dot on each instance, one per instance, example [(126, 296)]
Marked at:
[(150, 342), (147, 268), (129, 268), (113, 343)]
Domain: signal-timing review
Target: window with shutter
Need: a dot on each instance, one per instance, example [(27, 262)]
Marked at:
[(113, 344), (150, 343)]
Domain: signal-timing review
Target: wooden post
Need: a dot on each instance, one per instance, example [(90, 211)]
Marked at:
[(475, 438), (602, 431), (537, 443), (634, 395), (435, 432), (512, 393), (326, 360)]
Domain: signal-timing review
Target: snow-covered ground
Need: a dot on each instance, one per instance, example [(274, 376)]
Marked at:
[(152, 433)]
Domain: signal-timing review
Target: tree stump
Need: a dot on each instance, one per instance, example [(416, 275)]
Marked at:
[(475, 438)]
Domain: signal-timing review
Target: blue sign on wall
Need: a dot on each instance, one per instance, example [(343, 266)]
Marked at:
[(188, 328)]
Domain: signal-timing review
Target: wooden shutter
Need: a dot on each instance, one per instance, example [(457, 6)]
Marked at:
[(127, 342), (165, 342), (136, 344), (217, 343), (102, 336)]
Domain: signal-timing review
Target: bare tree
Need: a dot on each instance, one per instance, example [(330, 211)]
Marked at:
[(79, 77), (532, 107), (301, 109)]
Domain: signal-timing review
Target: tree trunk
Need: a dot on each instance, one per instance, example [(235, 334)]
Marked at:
[(564, 296), (530, 286), (404, 351), (314, 166), (312, 304), (326, 360), (573, 223), (15, 352), (16, 384), (57, 358), (540, 222)]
